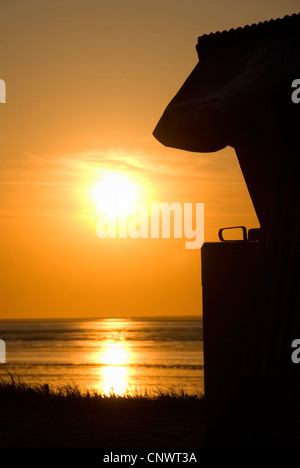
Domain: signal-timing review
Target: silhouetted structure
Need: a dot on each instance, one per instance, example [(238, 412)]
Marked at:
[(239, 95)]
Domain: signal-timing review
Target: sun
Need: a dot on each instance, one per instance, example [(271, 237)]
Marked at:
[(115, 194)]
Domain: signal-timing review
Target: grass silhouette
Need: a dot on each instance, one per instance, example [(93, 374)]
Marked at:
[(38, 415)]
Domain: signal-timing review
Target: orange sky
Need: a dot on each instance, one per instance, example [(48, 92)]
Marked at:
[(87, 81)]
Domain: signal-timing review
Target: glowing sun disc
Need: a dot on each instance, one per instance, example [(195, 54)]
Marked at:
[(115, 194)]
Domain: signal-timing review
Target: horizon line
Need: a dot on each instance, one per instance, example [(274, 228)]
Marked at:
[(140, 317)]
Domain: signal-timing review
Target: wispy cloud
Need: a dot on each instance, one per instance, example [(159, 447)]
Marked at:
[(69, 168), (56, 185)]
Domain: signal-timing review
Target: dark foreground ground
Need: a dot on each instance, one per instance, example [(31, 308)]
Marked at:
[(36, 417)]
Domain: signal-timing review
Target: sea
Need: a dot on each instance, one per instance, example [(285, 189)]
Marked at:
[(120, 356)]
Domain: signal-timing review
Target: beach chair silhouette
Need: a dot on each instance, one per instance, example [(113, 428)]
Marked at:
[(239, 95)]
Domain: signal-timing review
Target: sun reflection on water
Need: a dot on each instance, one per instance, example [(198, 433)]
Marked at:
[(113, 358)]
